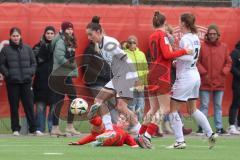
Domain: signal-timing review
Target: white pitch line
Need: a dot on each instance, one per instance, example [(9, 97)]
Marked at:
[(49, 153)]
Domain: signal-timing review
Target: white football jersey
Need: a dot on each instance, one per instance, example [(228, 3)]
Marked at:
[(117, 58), (188, 62), (109, 48)]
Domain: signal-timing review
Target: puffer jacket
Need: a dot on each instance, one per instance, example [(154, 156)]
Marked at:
[(236, 66), (17, 63), (62, 65), (214, 64)]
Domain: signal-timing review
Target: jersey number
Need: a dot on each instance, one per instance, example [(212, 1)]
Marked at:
[(195, 57)]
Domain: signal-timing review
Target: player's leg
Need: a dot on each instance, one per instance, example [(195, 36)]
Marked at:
[(122, 107), (106, 116), (148, 127), (176, 123), (154, 106), (181, 90), (202, 121), (99, 100), (199, 116)]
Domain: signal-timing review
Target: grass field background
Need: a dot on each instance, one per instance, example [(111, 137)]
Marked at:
[(52, 148)]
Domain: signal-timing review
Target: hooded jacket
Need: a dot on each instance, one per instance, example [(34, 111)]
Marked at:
[(214, 64), (139, 60)]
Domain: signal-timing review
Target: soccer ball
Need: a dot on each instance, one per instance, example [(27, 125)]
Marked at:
[(78, 106)]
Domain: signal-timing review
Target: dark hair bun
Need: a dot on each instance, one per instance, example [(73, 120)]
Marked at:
[(96, 19)]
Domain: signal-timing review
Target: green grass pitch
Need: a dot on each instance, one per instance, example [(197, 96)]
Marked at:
[(51, 148)]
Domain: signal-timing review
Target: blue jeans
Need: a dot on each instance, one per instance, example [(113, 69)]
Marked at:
[(217, 101), (41, 116), (137, 104)]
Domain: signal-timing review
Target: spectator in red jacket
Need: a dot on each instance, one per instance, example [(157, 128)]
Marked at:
[(214, 65)]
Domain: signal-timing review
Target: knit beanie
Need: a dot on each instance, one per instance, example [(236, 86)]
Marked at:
[(65, 25), (49, 28)]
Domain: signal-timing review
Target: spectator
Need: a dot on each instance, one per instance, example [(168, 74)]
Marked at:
[(64, 69), (139, 60), (43, 95), (234, 109), (18, 64), (213, 72)]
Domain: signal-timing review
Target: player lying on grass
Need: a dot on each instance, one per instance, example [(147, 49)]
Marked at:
[(102, 137)]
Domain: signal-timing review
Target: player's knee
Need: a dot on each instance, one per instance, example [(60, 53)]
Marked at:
[(99, 101)]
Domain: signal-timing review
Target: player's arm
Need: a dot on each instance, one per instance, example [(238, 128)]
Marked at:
[(184, 43), (165, 48), (85, 140), (97, 129), (3, 68), (129, 140)]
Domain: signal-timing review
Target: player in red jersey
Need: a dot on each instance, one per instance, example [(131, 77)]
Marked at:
[(101, 137), (159, 77)]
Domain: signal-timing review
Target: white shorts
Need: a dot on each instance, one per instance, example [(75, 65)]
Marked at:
[(186, 88), (122, 86)]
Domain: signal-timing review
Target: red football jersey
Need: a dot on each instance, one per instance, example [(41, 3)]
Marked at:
[(120, 138), (161, 59)]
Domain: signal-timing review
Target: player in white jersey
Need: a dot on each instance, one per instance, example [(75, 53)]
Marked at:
[(123, 81), (186, 86), (187, 81)]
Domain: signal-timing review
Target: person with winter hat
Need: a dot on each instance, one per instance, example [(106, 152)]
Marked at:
[(43, 95), (64, 69)]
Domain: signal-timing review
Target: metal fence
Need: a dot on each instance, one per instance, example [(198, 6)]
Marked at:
[(210, 3)]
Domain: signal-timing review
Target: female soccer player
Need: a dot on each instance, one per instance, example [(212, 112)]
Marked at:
[(123, 81), (186, 86), (101, 137), (159, 76)]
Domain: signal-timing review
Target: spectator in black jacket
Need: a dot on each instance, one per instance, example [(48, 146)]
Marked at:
[(235, 107), (18, 64), (43, 95)]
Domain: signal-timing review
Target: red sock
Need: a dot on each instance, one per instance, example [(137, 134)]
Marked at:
[(143, 129), (152, 129)]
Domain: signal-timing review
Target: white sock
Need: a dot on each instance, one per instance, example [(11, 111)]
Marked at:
[(107, 121), (202, 121), (177, 125), (146, 134), (136, 128)]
